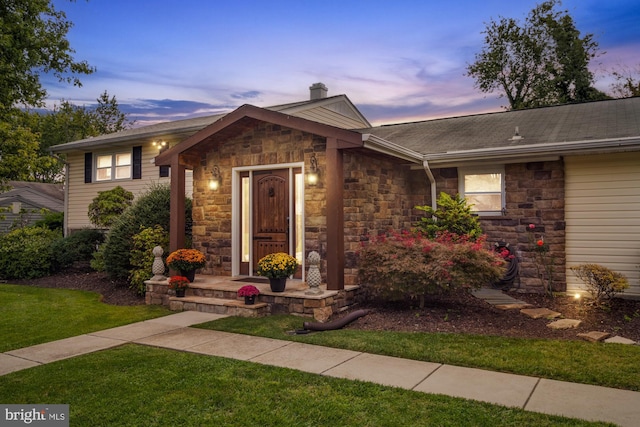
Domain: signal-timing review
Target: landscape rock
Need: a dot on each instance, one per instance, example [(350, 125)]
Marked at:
[(594, 336), (539, 313), (619, 340), (515, 306), (564, 324)]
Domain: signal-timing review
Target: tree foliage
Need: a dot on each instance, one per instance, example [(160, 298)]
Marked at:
[(452, 215), (410, 266), (108, 205), (541, 62), (34, 41), (627, 82)]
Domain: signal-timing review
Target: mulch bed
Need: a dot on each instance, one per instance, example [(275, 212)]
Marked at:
[(457, 313), (463, 313)]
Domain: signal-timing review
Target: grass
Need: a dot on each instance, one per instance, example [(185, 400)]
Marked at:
[(609, 365), (32, 315), (144, 386)]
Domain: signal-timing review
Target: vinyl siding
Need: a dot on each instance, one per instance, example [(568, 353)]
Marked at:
[(80, 195), (331, 118), (603, 215)]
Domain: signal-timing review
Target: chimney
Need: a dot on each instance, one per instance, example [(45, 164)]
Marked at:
[(318, 91)]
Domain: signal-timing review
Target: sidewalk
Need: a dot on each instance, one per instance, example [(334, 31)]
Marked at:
[(532, 394)]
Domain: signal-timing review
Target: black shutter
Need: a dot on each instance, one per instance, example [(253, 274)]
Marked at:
[(137, 162), (164, 171), (88, 167)]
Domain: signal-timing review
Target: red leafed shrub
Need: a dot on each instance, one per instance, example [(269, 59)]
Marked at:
[(409, 265)]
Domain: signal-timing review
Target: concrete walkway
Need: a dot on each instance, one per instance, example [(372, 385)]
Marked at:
[(173, 332)]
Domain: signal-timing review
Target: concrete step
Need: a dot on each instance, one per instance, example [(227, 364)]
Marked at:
[(230, 307)]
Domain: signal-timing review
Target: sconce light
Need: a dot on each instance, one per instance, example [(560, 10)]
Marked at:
[(160, 145), (312, 176), (214, 182)]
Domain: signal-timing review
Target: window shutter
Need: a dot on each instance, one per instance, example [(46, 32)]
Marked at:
[(164, 171), (137, 162), (88, 167)]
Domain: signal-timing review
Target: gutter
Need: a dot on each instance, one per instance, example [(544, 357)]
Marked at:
[(525, 152), (375, 143)]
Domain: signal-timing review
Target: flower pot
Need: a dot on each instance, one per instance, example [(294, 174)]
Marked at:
[(250, 300), (277, 284), (190, 275), (180, 292)]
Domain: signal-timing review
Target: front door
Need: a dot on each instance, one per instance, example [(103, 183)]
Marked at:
[(271, 214)]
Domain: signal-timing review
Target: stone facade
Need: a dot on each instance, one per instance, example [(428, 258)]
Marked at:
[(380, 194), (534, 195)]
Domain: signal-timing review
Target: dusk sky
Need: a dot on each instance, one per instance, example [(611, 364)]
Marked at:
[(396, 60)]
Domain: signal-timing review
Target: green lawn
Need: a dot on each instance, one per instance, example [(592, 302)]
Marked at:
[(609, 365), (30, 315), (144, 386)]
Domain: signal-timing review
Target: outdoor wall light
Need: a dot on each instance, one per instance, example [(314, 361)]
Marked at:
[(214, 182), (160, 145), (312, 176)]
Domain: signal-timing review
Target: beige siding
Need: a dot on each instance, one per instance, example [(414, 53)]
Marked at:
[(603, 215), (80, 194), (332, 118)]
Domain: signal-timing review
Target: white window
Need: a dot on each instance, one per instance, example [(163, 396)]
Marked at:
[(113, 166), (483, 189)]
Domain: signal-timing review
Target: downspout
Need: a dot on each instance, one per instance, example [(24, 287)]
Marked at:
[(427, 170)]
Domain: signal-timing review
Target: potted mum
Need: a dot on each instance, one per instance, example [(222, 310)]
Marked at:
[(179, 284), (249, 292), (277, 267), (186, 261)]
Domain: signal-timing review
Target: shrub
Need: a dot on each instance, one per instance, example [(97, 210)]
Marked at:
[(602, 282), (27, 253), (52, 220), (452, 215), (148, 210), (108, 205), (142, 255), (408, 265), (79, 246)]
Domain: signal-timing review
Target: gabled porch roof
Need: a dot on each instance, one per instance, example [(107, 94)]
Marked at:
[(188, 154)]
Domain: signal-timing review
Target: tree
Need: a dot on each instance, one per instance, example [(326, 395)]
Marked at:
[(542, 62), (627, 82), (66, 122), (34, 41)]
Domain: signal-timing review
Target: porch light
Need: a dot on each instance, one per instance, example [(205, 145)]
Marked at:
[(312, 176), (214, 182)]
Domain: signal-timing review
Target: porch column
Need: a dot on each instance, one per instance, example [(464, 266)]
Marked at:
[(176, 219), (335, 216)]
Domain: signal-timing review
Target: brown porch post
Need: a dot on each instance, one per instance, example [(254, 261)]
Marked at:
[(176, 219), (335, 216)]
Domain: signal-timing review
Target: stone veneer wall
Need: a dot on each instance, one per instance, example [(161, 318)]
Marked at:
[(534, 195), (380, 194), (259, 144)]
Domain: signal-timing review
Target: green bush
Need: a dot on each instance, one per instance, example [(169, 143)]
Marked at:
[(148, 210), (27, 253), (602, 282), (108, 205), (52, 221), (142, 255), (452, 215), (409, 265), (79, 246)]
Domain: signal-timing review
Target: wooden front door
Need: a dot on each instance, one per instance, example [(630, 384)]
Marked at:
[(270, 213)]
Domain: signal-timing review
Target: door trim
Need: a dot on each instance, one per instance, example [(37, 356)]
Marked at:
[(236, 233)]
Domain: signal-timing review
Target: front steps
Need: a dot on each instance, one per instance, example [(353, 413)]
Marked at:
[(216, 294), (218, 306)]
